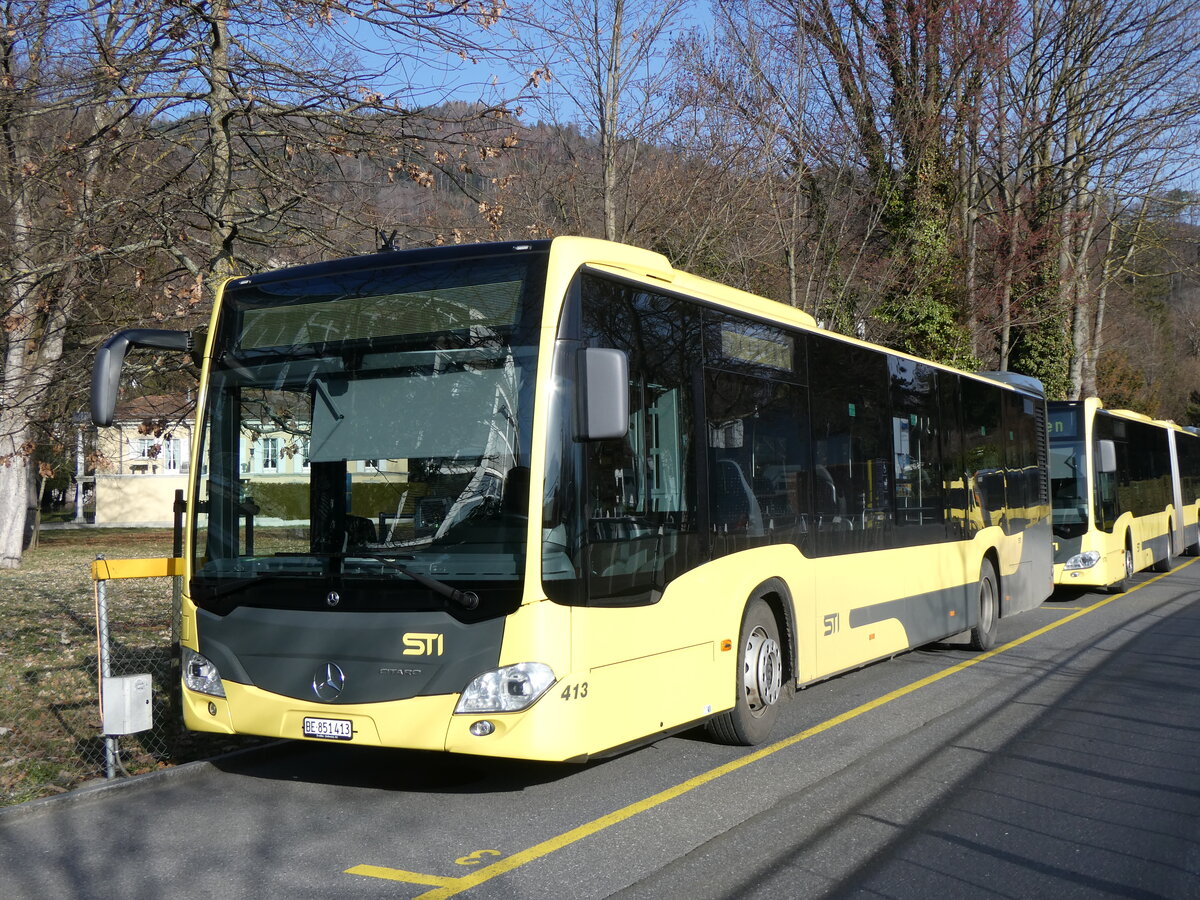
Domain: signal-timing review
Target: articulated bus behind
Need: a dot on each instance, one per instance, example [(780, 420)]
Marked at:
[(1120, 503), (546, 500), (1185, 462)]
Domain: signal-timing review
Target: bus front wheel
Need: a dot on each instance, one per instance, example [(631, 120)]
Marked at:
[(759, 680), (1127, 579), (983, 634)]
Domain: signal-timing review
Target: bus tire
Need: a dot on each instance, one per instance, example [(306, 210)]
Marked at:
[(983, 633), (1124, 583), (759, 680), (1164, 565)]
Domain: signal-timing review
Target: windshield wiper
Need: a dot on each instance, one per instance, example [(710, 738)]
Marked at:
[(465, 599), (323, 392), (232, 586)]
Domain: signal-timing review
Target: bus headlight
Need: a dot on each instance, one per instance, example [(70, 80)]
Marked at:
[(200, 675), (1082, 560), (508, 689)]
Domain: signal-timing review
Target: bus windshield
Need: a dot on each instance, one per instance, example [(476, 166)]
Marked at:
[(1068, 472), (366, 434)]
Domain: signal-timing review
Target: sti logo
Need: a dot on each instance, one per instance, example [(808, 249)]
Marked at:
[(417, 643)]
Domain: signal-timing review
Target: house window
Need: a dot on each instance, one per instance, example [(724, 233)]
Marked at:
[(270, 454), (147, 448), (170, 454)]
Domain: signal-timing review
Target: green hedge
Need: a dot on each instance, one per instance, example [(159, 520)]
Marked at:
[(280, 500), (289, 500)]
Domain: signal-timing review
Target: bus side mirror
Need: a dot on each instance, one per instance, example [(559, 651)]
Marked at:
[(106, 373), (603, 394), (1106, 454)]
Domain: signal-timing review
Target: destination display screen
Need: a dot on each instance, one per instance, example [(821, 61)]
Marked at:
[(1064, 424)]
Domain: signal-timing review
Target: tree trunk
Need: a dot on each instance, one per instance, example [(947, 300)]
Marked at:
[(14, 495), (969, 223), (1089, 387), (221, 111), (609, 124), (17, 394), (1072, 294)]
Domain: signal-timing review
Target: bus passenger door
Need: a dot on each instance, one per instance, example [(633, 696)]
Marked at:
[(637, 502)]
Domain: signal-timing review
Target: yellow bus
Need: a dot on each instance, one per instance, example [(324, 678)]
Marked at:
[(548, 500), (1120, 504), (1185, 484)]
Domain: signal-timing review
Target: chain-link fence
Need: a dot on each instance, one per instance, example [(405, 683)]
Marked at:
[(142, 645), (51, 736)]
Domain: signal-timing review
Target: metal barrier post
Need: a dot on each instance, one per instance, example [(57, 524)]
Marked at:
[(111, 748), (177, 552)]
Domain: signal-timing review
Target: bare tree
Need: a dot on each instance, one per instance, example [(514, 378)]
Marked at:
[(70, 87), (1100, 110), (195, 141), (768, 120), (605, 68)]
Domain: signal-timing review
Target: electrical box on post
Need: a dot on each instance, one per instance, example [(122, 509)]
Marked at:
[(126, 703)]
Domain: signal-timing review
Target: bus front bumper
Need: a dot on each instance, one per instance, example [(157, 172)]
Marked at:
[(541, 732)]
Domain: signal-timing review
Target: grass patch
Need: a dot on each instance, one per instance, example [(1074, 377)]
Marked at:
[(50, 737)]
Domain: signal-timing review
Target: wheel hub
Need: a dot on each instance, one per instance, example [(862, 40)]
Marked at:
[(764, 671)]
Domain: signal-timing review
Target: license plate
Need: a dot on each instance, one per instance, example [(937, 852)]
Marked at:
[(331, 729)]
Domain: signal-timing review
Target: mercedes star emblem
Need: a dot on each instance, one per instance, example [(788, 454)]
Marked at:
[(333, 598), (327, 684)]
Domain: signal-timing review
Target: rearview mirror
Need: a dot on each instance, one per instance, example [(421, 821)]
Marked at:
[(1106, 457), (106, 373), (603, 394)]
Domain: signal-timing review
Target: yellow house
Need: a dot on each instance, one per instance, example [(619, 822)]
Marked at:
[(143, 458)]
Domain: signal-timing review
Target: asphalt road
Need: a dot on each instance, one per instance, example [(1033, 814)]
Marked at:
[(1066, 763)]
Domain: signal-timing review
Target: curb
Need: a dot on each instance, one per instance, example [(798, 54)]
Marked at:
[(98, 790)]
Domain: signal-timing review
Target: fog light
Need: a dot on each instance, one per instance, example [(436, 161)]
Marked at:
[(482, 728)]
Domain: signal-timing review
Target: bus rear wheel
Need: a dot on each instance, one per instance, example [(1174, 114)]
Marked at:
[(1164, 565), (983, 634), (759, 680)]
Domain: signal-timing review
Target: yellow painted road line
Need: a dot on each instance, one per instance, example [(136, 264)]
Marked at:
[(402, 875), (450, 887)]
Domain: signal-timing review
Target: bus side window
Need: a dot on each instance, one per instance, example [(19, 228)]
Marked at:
[(851, 448), (640, 490), (984, 453), (1106, 502), (757, 460), (916, 451)]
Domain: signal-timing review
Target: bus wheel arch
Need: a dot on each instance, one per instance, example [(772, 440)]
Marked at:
[(1123, 583), (775, 593), (761, 669)]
